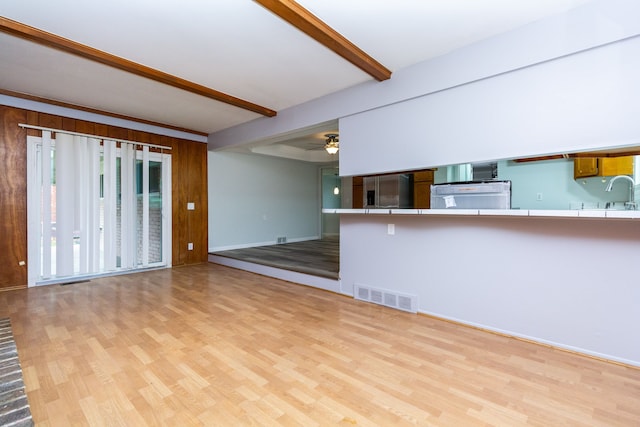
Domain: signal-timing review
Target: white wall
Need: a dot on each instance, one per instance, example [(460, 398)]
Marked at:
[(585, 100), (571, 283), (255, 199)]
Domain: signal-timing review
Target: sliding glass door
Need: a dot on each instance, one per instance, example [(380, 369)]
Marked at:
[(96, 206)]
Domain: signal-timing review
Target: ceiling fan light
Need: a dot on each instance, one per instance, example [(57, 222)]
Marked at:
[(332, 144), (331, 147)]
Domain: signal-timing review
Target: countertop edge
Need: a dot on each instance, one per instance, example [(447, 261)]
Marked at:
[(582, 213)]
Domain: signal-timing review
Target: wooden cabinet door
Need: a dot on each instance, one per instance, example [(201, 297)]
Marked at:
[(584, 167), (421, 176), (612, 166), (422, 194), (357, 196), (422, 181)]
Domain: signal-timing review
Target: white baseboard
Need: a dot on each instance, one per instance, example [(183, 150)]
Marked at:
[(338, 234), (538, 340)]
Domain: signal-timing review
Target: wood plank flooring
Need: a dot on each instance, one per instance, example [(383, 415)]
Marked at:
[(213, 346), (316, 257)]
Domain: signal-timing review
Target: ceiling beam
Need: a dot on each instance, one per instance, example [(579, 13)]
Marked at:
[(96, 111), (311, 25), (60, 43)]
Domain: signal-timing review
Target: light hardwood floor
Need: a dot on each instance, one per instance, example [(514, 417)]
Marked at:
[(210, 345)]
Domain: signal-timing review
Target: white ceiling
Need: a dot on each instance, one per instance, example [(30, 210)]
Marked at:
[(236, 47)]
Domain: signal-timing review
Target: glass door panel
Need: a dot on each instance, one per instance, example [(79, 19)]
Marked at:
[(99, 211)]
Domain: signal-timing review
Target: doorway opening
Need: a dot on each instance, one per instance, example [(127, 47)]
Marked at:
[(331, 191)]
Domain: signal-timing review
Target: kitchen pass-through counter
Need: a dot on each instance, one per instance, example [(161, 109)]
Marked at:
[(569, 213)]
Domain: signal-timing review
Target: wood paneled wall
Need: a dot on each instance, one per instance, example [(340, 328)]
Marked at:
[(13, 199), (189, 184)]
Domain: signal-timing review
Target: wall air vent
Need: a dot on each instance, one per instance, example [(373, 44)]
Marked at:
[(363, 294), (405, 303), (376, 296), (393, 299)]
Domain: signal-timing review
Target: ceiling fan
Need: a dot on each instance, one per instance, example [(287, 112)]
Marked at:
[(332, 143)]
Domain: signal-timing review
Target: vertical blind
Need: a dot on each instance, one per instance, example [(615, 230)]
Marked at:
[(84, 205)]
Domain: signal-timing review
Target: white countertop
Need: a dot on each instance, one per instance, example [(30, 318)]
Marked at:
[(577, 213)]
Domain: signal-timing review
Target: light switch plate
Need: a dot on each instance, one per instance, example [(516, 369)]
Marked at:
[(391, 229), (191, 206)]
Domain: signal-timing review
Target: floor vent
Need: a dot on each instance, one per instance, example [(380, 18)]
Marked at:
[(282, 240), (387, 298), (73, 282)]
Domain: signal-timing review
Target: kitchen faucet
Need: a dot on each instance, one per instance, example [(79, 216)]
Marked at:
[(631, 204)]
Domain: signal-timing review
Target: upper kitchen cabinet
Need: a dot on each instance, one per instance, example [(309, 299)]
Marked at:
[(358, 192), (584, 167), (422, 181)]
